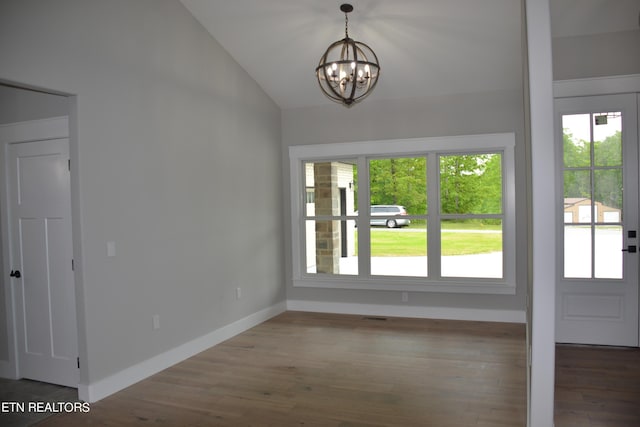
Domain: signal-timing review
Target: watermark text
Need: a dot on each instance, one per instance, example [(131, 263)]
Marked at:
[(40, 407)]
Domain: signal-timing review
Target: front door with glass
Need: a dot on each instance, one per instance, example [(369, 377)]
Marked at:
[(597, 291)]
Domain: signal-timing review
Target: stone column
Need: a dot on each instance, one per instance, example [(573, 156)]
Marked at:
[(327, 203)]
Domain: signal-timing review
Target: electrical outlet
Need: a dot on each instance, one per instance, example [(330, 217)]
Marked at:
[(156, 322), (405, 297), (238, 293)]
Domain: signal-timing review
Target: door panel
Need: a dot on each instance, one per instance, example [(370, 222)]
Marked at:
[(41, 249), (597, 291)]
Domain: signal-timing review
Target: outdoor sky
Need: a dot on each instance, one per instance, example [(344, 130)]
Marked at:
[(578, 125)]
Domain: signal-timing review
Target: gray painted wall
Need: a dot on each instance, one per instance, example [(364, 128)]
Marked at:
[(177, 160), (596, 55), (463, 114), (17, 106)]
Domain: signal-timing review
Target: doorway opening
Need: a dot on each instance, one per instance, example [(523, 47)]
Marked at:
[(37, 248)]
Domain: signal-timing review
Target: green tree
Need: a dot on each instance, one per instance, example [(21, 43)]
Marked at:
[(399, 181), (576, 154), (609, 151), (491, 185), (471, 184), (607, 172), (608, 187)]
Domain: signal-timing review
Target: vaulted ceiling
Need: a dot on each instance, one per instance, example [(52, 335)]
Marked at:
[(425, 47)]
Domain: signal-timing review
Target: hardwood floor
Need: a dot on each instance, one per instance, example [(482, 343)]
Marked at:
[(306, 369), (597, 387)]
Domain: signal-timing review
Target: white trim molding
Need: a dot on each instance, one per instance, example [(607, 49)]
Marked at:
[(541, 375), (102, 388), (35, 130), (596, 86)]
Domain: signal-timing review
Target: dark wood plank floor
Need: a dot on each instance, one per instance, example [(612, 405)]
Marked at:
[(597, 386), (305, 369)]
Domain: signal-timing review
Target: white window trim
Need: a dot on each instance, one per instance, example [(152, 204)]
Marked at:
[(504, 142)]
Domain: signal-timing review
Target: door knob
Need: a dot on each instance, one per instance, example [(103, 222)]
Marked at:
[(15, 274), (631, 249)]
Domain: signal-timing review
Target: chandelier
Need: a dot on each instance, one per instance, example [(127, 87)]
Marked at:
[(348, 71)]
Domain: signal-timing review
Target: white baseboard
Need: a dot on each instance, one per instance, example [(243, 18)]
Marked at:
[(107, 386), (448, 313)]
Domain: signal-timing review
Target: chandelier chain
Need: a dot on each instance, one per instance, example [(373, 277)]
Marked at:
[(346, 25)]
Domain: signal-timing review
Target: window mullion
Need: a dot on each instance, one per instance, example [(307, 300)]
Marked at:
[(364, 228), (433, 218), (592, 195)]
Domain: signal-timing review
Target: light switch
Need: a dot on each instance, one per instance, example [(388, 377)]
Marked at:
[(111, 248)]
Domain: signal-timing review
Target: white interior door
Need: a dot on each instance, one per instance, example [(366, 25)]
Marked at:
[(39, 207), (598, 236)]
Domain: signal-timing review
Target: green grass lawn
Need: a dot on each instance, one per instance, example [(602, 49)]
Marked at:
[(401, 243)]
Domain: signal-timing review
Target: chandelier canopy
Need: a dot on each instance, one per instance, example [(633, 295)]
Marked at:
[(348, 71)]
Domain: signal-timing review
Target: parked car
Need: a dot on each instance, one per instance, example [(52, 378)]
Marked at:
[(386, 212)]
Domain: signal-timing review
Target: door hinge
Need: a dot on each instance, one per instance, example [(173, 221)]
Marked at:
[(78, 360), (73, 266), (69, 164)]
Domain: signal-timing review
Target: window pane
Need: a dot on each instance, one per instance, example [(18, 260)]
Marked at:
[(576, 140), (330, 188), (607, 137), (331, 247), (608, 253), (471, 184), (577, 196), (399, 252), (399, 181), (577, 251), (608, 195), (471, 248)]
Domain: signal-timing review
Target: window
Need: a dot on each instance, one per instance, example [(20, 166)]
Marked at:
[(471, 215), (311, 196), (425, 214), (593, 195)]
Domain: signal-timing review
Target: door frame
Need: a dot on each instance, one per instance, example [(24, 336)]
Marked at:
[(33, 130)]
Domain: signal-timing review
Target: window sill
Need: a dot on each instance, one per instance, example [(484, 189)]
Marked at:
[(453, 285)]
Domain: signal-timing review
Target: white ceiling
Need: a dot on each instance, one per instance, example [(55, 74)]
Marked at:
[(425, 47)]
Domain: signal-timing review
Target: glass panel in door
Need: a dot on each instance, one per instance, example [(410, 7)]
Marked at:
[(593, 195)]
